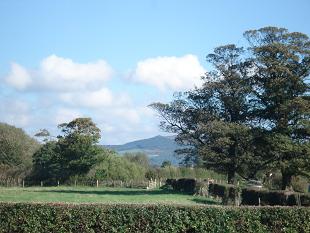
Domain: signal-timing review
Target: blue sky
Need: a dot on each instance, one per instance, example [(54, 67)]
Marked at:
[(109, 59)]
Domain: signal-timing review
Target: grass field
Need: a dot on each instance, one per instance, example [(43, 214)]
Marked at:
[(98, 195)]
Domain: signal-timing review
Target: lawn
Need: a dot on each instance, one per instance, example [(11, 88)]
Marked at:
[(98, 195)]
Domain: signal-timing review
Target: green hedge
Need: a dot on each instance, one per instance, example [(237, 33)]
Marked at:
[(186, 185), (227, 192), (25, 217), (252, 196)]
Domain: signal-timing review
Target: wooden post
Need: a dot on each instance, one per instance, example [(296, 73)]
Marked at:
[(58, 183), (23, 184), (97, 183), (41, 183), (259, 201)]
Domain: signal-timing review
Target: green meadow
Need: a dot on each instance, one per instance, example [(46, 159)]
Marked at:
[(81, 194)]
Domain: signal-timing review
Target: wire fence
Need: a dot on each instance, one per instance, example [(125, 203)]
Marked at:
[(12, 182)]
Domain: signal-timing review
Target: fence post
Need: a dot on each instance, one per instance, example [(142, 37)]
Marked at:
[(259, 201), (58, 183), (97, 183), (41, 183), (23, 184), (75, 183)]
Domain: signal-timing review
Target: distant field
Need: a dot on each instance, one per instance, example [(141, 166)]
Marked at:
[(97, 195)]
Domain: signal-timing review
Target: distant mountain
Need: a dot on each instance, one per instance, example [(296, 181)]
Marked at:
[(158, 149)]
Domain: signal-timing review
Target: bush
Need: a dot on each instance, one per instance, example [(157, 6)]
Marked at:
[(24, 217), (252, 196), (228, 193), (183, 185), (110, 166)]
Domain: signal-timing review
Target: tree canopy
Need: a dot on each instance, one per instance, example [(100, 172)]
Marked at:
[(16, 150), (252, 111), (73, 153)]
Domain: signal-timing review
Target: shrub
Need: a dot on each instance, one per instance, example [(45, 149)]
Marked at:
[(228, 193), (183, 185), (25, 217), (252, 196)]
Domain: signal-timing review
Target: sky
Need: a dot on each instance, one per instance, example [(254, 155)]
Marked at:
[(110, 59)]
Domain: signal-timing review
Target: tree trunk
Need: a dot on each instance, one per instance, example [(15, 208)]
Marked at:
[(231, 176), (286, 181)]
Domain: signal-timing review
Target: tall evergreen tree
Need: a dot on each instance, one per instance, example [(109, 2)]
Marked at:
[(212, 120), (281, 96)]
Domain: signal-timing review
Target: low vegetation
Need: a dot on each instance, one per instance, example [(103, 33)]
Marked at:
[(25, 217)]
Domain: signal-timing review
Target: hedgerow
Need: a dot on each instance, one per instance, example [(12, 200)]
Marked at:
[(30, 217)]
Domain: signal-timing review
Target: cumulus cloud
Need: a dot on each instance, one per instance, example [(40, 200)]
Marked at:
[(15, 112), (64, 115), (60, 74), (95, 99), (175, 73), (61, 89), (18, 77)]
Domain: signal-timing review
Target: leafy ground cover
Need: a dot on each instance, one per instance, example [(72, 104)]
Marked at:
[(65, 194)]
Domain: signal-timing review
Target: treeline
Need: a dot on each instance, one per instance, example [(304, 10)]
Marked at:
[(74, 155), (250, 118)]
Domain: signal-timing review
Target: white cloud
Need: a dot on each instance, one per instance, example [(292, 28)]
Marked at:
[(60, 90), (95, 99), (18, 77), (60, 74), (176, 73), (15, 112), (64, 115), (92, 99)]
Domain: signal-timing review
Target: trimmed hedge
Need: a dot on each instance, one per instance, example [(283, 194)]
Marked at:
[(26, 217), (228, 193), (183, 185), (252, 196)]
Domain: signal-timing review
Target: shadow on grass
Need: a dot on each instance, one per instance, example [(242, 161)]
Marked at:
[(114, 192), (206, 201)]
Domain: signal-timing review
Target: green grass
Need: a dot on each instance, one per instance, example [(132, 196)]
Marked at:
[(98, 195)]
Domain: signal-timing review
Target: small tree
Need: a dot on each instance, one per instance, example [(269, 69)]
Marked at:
[(73, 153)]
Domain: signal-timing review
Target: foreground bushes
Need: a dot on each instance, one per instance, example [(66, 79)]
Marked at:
[(150, 218)]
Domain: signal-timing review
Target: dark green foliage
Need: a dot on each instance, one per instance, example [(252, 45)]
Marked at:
[(183, 185), (111, 166), (166, 163), (48, 164), (73, 154), (228, 193), (252, 196), (16, 150), (77, 145), (252, 111), (150, 218)]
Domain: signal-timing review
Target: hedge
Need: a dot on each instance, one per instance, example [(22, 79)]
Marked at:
[(27, 217), (263, 197), (266, 197), (183, 185), (228, 193)]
